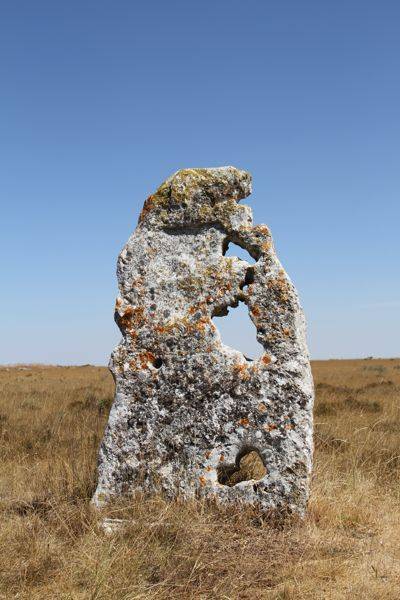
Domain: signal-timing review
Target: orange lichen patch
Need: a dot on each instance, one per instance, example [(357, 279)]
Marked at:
[(280, 286), (208, 469), (132, 338), (147, 207), (200, 306), (118, 302), (266, 359), (143, 360), (286, 331), (202, 480), (262, 229), (266, 246), (244, 422), (202, 323), (131, 318), (255, 311), (207, 454), (241, 370), (128, 312), (261, 407), (164, 328), (269, 426), (146, 358), (222, 458), (133, 335)]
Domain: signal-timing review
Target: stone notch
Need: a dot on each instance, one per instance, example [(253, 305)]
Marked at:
[(191, 416)]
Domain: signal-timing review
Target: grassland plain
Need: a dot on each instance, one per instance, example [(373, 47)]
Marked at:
[(52, 546)]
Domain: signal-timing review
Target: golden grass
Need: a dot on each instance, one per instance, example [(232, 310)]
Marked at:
[(51, 544)]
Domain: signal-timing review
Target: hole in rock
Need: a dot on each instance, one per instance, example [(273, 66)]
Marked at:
[(157, 363), (249, 279), (248, 466), (238, 331), (231, 249)]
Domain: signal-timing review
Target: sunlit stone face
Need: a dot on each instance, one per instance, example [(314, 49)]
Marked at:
[(192, 416)]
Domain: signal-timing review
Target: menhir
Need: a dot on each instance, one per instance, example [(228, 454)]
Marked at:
[(192, 417)]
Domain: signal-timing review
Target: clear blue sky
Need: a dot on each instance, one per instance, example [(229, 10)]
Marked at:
[(102, 100)]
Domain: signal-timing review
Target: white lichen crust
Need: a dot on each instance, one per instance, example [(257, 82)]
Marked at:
[(188, 410)]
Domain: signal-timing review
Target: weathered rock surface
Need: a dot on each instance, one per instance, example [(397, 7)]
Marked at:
[(191, 416)]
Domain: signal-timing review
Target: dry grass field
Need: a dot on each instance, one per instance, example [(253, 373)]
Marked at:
[(51, 544)]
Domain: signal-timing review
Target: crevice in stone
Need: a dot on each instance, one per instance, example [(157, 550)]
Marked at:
[(248, 466), (157, 363), (248, 279)]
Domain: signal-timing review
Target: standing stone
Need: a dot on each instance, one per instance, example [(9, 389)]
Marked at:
[(191, 416)]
